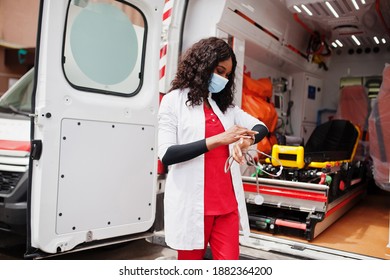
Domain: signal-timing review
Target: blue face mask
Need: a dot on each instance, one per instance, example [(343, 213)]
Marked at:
[(217, 83)]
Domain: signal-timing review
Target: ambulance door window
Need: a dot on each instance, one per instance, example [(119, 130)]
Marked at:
[(104, 46)]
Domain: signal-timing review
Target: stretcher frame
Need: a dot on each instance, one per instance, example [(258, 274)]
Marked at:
[(302, 202)]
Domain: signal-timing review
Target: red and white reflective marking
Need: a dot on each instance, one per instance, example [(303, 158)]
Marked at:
[(167, 18)]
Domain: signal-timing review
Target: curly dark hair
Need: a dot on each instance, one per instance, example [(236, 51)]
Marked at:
[(196, 67)]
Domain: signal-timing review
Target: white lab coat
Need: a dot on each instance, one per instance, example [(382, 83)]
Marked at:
[(184, 188)]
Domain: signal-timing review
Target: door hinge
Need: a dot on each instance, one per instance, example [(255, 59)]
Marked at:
[(36, 149)]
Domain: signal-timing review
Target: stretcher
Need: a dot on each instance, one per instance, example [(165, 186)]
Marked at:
[(316, 183)]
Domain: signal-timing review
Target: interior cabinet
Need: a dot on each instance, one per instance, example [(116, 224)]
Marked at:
[(306, 94)]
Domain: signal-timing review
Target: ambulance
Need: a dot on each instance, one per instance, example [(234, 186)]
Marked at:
[(78, 161)]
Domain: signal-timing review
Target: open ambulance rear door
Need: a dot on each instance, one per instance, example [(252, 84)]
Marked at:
[(94, 157)]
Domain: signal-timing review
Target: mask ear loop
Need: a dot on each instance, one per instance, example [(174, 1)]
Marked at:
[(228, 163)]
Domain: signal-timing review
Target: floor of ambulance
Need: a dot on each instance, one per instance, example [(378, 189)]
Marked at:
[(364, 229)]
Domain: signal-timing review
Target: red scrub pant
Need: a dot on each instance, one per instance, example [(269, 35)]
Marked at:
[(221, 232)]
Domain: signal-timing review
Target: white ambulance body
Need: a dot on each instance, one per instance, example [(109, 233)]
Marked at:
[(100, 69)]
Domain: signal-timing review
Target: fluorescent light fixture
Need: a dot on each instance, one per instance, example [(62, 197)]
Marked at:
[(376, 40), (306, 10), (355, 4), (339, 43), (363, 2), (334, 45), (356, 40), (296, 8), (331, 9), (383, 40)]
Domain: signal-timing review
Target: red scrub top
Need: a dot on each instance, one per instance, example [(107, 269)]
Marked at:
[(219, 197)]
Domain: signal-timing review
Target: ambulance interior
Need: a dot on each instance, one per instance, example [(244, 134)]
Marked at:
[(316, 74)]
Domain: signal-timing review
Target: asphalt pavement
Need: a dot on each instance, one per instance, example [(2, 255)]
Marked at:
[(13, 248)]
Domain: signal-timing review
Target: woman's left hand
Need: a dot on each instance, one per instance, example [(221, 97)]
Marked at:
[(240, 147)]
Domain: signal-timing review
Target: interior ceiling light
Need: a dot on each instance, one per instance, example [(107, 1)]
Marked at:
[(334, 45), (306, 10), (363, 2), (339, 43), (331, 9), (296, 8), (376, 40), (356, 40), (383, 40), (355, 4)]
